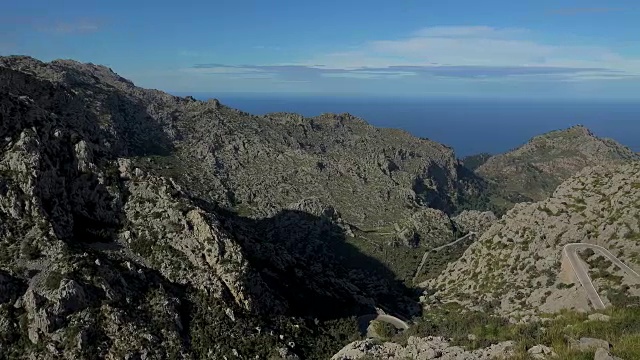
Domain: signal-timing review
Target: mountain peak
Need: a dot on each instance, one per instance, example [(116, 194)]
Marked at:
[(568, 133), (537, 167)]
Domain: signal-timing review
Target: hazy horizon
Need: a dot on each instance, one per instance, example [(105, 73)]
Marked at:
[(496, 48)]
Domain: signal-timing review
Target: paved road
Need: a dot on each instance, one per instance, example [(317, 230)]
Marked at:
[(365, 320), (570, 252), (426, 253)]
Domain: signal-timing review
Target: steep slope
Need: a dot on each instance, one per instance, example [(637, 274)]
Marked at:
[(261, 164), (176, 226), (372, 176), (516, 267), (380, 181), (472, 162), (94, 262), (538, 167)]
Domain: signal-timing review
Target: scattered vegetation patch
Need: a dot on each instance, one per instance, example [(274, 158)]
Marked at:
[(256, 336), (452, 321), (546, 210), (52, 282), (142, 246), (383, 330)]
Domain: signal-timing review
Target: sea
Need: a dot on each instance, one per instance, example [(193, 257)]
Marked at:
[(470, 126)]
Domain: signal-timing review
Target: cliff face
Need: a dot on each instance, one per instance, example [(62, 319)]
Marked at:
[(517, 267), (538, 167), (94, 249)]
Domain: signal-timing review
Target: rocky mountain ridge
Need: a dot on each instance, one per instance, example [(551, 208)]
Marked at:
[(539, 166)]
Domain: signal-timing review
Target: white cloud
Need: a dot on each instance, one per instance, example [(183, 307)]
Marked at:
[(469, 32), (222, 70), (73, 27), (463, 59), (265, 47), (371, 74), (476, 46)]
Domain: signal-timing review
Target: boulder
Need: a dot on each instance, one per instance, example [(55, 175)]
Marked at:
[(589, 344), (602, 354), (541, 352)]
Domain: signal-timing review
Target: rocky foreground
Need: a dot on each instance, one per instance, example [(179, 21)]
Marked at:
[(439, 348), (422, 348)]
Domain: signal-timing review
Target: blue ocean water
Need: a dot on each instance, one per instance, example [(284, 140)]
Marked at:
[(470, 126)]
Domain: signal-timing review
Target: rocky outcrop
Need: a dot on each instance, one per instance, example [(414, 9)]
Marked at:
[(336, 166), (187, 244), (72, 260), (421, 348), (426, 228), (259, 165), (474, 221), (589, 344), (538, 167), (603, 354), (541, 352)]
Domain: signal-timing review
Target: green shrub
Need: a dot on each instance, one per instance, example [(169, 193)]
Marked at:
[(52, 282), (383, 330)]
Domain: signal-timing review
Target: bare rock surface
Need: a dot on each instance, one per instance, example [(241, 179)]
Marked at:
[(133, 219), (603, 354), (541, 352), (590, 344), (475, 221)]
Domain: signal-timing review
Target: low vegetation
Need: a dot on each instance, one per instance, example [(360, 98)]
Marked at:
[(384, 331), (452, 321)]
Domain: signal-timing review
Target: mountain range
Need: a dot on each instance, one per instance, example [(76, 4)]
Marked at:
[(137, 224)]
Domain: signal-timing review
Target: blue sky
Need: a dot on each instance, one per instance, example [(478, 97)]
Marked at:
[(537, 49)]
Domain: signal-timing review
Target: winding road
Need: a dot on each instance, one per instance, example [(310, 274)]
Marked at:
[(570, 253), (426, 253), (365, 320)]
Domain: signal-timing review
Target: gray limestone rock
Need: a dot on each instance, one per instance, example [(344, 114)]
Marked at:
[(475, 221), (541, 352), (590, 344), (603, 354), (421, 348)]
